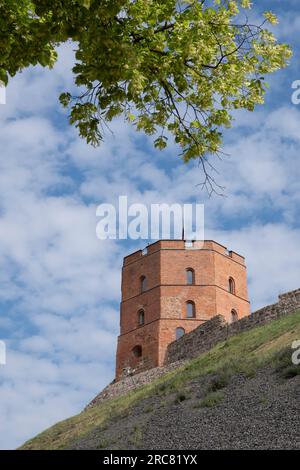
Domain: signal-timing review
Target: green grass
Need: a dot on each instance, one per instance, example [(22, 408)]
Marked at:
[(283, 364), (181, 396), (211, 399), (220, 380), (102, 444), (149, 409), (136, 436), (244, 354)]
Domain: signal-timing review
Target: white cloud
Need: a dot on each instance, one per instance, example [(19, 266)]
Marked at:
[(272, 257), (60, 286), (38, 393), (60, 281), (36, 90)]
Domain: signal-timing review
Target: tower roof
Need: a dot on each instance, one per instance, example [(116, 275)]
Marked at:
[(165, 244)]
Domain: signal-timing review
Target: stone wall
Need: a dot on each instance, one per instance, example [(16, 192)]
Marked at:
[(127, 384), (215, 330), (198, 341)]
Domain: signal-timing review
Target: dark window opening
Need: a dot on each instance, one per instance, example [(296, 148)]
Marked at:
[(180, 332), (231, 285), (137, 351), (143, 284), (190, 276), (141, 317), (234, 316), (190, 309)]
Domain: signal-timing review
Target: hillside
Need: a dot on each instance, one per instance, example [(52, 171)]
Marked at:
[(242, 394)]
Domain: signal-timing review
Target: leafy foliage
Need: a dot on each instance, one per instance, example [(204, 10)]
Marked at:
[(171, 67)]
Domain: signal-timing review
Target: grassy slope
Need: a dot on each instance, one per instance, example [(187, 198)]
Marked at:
[(243, 353)]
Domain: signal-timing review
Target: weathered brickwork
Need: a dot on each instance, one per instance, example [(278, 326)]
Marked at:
[(217, 329), (164, 299)]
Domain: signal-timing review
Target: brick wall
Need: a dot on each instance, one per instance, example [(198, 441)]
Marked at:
[(164, 265), (215, 330)]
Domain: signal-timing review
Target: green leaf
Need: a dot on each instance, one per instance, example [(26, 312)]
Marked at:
[(159, 66), (86, 3), (65, 99), (161, 142)]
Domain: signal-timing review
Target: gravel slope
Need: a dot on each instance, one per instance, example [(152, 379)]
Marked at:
[(262, 412)]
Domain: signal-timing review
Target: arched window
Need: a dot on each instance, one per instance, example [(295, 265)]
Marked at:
[(190, 276), (143, 283), (234, 316), (231, 285), (190, 309), (137, 351), (180, 332), (141, 317)]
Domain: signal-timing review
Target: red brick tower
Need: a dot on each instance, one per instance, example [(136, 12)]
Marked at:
[(169, 289)]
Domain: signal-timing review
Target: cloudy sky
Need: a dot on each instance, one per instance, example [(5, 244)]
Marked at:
[(60, 286)]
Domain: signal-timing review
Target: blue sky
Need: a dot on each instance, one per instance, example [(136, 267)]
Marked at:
[(60, 286)]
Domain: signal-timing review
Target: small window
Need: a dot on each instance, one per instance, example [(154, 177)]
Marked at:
[(143, 284), (234, 316), (190, 309), (190, 276), (231, 285), (137, 351), (141, 317), (180, 332)]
